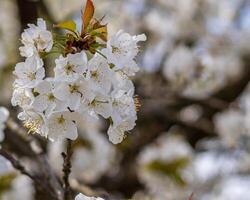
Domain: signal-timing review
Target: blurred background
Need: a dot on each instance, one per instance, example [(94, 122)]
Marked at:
[(193, 128)]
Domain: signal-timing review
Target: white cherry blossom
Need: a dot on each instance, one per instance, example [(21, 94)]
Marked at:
[(123, 106), (22, 97), (62, 125), (122, 49), (30, 72), (34, 121), (101, 105), (121, 82), (71, 67), (100, 73), (116, 132), (45, 99), (74, 92), (36, 39)]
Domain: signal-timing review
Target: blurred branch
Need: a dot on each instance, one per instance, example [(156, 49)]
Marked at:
[(17, 165), (67, 170), (28, 11), (16, 142)]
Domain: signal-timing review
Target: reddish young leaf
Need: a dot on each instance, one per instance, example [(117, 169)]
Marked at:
[(87, 15)]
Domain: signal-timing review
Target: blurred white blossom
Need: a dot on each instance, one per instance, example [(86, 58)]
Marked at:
[(166, 164), (4, 114), (83, 197), (20, 187), (230, 188)]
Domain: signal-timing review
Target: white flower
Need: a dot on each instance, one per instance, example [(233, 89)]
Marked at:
[(34, 121), (75, 92), (36, 39), (71, 67), (101, 105), (30, 72), (123, 106), (130, 68), (100, 73), (22, 97), (123, 115), (45, 99), (122, 49), (83, 197), (116, 132), (4, 114), (121, 82), (62, 125)]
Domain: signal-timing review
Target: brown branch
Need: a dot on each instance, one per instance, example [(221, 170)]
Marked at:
[(45, 180), (15, 163), (19, 166), (67, 170)]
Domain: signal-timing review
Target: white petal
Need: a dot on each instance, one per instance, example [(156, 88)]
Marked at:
[(4, 114), (40, 103), (116, 135)]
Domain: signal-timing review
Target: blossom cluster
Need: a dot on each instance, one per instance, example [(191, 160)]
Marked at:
[(171, 162), (96, 84), (200, 73)]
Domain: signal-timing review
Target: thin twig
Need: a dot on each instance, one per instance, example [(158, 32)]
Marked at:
[(67, 170)]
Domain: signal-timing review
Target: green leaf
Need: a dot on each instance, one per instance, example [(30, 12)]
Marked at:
[(68, 25)]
